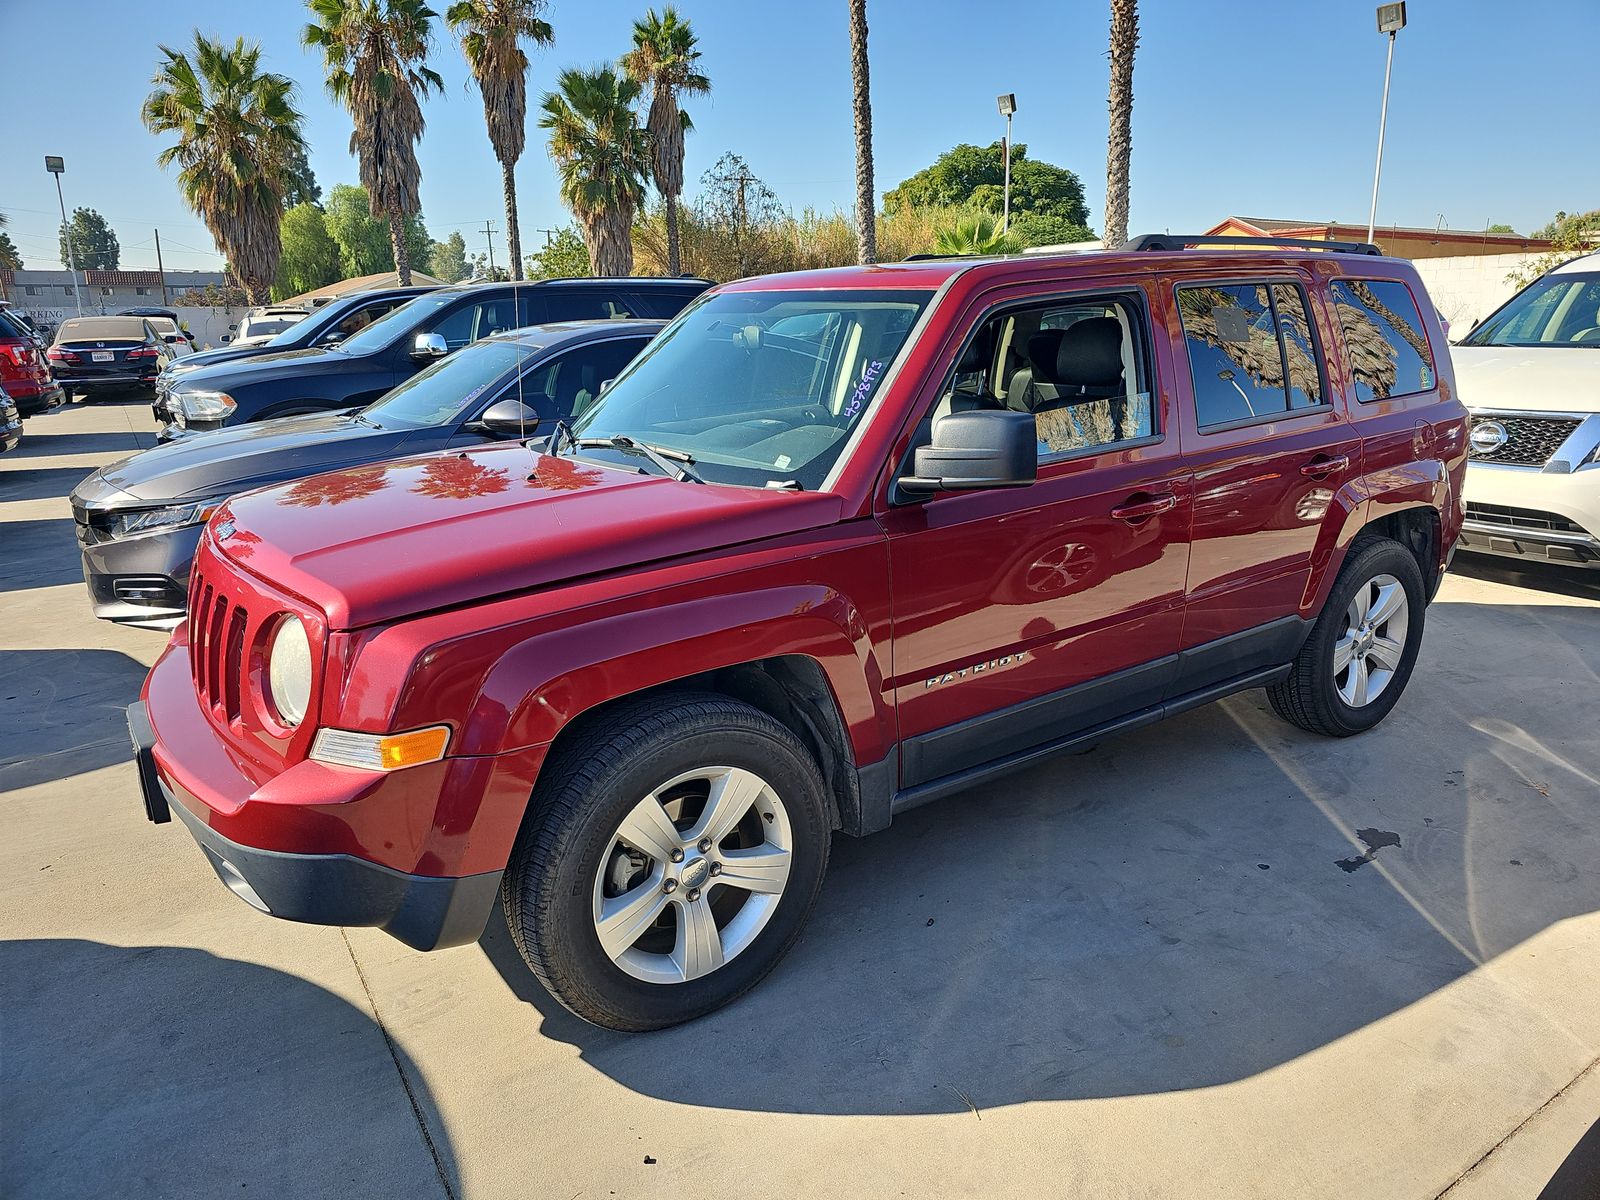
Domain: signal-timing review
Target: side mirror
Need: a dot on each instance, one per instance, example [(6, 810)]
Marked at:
[(971, 450), (226, 338), (332, 338), (171, 339), (507, 418), (429, 345)]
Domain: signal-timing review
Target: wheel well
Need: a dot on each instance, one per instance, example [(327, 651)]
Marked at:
[(1418, 530), (792, 690)]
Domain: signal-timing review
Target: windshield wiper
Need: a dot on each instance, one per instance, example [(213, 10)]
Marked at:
[(670, 462)]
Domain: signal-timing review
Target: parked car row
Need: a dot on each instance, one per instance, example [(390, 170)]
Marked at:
[(631, 639)]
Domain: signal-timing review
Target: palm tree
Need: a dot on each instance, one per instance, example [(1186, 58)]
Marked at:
[(1119, 145), (491, 34), (663, 59), (374, 51), (866, 200), (979, 233), (238, 138), (602, 156)]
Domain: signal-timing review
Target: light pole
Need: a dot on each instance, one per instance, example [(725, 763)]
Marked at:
[(1391, 20), (56, 166), (1008, 105)]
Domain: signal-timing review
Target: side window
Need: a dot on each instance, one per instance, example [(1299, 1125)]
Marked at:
[(583, 305), (478, 319), (1389, 354), (657, 302), (1080, 366), (355, 322), (566, 385), (1252, 351)]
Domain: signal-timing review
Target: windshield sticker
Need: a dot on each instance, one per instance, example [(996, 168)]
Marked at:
[(869, 377)]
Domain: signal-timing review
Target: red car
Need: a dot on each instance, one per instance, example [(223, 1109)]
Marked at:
[(24, 373), (835, 545)]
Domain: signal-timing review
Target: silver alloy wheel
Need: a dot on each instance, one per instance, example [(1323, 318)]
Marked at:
[(681, 891), (1368, 653)]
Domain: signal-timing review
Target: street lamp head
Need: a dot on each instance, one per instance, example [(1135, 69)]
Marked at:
[(54, 164), (1391, 17), (1008, 103)]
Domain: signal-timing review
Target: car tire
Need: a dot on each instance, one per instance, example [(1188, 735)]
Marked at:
[(1353, 668), (617, 931)]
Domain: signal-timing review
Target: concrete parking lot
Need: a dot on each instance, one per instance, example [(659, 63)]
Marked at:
[(1219, 957)]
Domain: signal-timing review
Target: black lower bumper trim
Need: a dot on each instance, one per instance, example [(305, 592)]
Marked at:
[(425, 912)]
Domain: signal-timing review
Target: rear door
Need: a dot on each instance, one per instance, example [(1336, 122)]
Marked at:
[(1269, 446), (1023, 616)]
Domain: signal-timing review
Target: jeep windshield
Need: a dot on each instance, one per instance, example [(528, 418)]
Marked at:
[(757, 388), (1558, 310)]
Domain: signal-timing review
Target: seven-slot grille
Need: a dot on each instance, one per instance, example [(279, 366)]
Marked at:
[(216, 648), (1530, 441)]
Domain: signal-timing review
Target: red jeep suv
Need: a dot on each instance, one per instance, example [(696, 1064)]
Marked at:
[(835, 545)]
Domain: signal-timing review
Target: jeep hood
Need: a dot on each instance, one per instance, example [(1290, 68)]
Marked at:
[(1537, 378), (238, 459), (378, 543)]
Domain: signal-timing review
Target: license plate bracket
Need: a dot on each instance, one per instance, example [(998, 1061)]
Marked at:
[(102, 356)]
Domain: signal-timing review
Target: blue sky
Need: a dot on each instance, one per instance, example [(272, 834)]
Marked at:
[(1268, 109)]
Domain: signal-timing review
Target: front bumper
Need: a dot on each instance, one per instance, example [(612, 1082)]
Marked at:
[(417, 852), (142, 581), (1532, 514), (425, 912)]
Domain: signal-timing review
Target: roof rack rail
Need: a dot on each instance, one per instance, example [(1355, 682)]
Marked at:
[(935, 256), (1184, 241)]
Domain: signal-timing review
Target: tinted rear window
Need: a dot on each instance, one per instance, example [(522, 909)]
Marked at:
[(1388, 351), (101, 329), (1252, 353)]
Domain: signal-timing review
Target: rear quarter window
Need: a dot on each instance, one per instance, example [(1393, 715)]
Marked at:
[(1384, 340)]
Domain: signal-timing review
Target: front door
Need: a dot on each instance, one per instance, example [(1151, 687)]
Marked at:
[(1022, 616)]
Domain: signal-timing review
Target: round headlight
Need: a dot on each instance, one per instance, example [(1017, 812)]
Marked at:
[(289, 671)]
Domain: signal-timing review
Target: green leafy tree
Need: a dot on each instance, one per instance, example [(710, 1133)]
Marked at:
[(975, 175), (601, 157), (10, 257), (665, 61), (979, 233), (1500, 228), (448, 259), (366, 244), (1564, 224), (1572, 233), (375, 53), (565, 257), (483, 271), (93, 241), (302, 186), (310, 257), (492, 33), (237, 136), (1041, 229)]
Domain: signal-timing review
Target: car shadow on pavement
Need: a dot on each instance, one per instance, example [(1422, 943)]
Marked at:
[(1579, 583), (65, 713), (1186, 906), (38, 554), (39, 444), (39, 483), (167, 1071)]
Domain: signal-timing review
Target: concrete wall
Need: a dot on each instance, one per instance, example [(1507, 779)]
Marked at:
[(1467, 288)]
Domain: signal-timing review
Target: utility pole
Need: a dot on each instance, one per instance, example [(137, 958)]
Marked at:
[(55, 165), (161, 270), (739, 219), (488, 233)]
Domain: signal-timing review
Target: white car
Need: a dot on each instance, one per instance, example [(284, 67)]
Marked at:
[(1529, 373), (173, 335), (263, 324)]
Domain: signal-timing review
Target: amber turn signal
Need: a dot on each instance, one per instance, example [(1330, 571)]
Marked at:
[(381, 751)]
